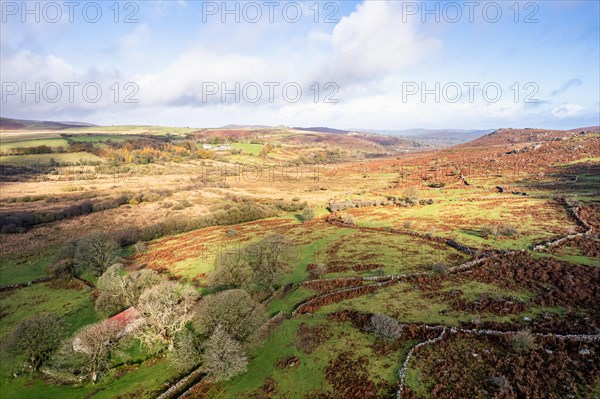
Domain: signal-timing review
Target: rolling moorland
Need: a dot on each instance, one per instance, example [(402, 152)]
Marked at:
[(276, 262)]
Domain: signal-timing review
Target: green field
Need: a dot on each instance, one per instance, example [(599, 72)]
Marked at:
[(46, 159), (7, 145), (101, 138), (248, 148), (534, 219), (23, 268), (308, 375)]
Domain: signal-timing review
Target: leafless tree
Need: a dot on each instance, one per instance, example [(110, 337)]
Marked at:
[(234, 310), (186, 353), (96, 343), (223, 357), (96, 252), (119, 290), (166, 308)]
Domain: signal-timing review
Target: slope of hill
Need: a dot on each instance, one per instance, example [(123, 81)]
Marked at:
[(23, 124), (520, 136)]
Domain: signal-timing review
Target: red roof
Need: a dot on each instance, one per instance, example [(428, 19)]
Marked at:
[(126, 317)]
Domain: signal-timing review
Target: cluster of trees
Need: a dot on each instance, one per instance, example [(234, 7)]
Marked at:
[(390, 200), (323, 157), (239, 213), (212, 332), (154, 149), (73, 146), (94, 252), (255, 268), (40, 149), (18, 222)]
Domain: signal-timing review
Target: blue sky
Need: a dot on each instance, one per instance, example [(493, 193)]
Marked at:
[(374, 58)]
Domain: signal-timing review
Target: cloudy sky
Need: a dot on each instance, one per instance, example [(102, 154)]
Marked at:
[(345, 64)]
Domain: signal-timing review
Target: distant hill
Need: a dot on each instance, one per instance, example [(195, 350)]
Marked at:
[(24, 124), (522, 136), (448, 136), (322, 130), (586, 129), (231, 126)]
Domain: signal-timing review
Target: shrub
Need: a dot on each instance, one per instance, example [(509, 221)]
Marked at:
[(411, 193), (307, 214), (64, 268), (126, 236), (506, 230), (318, 271), (523, 341), (385, 327), (440, 268), (140, 247), (348, 219)]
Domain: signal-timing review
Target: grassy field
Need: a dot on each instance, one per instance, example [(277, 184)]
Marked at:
[(23, 268), (7, 145), (248, 148), (405, 302), (307, 376), (534, 219), (45, 159), (192, 255), (101, 138), (364, 252)]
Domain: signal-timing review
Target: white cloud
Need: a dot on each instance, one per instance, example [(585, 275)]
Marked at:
[(374, 42), (567, 110)]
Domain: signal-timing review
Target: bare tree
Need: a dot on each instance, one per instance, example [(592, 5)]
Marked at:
[(166, 308), (96, 252), (119, 290), (96, 343), (223, 357), (37, 337), (186, 353), (411, 193), (233, 310)]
